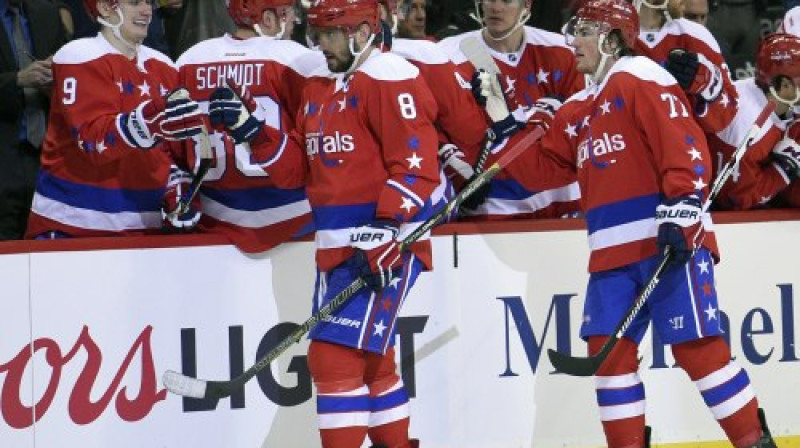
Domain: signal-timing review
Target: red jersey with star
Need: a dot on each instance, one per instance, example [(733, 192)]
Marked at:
[(757, 179), (365, 148), (693, 37), (544, 66), (91, 181), (460, 118), (238, 198), (631, 142)]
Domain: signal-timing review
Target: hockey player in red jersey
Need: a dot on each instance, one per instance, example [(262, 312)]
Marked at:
[(692, 55), (274, 19), (238, 198), (459, 118), (365, 149), (772, 161), (537, 72), (643, 167), (103, 171)]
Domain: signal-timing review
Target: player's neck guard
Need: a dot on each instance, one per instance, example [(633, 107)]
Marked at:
[(786, 102), (357, 54)]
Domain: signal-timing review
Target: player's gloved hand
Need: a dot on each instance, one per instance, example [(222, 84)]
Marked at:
[(543, 111), (177, 117), (378, 255), (488, 92), (786, 153), (179, 214), (680, 227), (695, 74), (478, 197), (233, 107), (453, 163)]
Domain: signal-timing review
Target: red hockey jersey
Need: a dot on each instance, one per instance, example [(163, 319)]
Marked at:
[(631, 141), (365, 148), (544, 66), (690, 36), (757, 179), (238, 198), (92, 182)]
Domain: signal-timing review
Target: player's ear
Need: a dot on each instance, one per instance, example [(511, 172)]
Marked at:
[(362, 34), (104, 8)]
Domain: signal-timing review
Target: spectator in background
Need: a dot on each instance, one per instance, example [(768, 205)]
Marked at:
[(156, 34), (66, 19), (412, 17), (32, 32), (695, 10), (732, 22)]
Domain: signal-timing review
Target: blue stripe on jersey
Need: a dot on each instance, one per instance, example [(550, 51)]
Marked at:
[(623, 395), (255, 199), (509, 189), (332, 217), (327, 404), (98, 198), (389, 401), (726, 390), (622, 212)]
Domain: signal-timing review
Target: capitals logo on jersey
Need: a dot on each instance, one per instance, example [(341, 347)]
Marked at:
[(592, 148), (329, 144)]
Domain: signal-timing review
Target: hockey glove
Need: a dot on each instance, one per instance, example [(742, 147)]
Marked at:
[(377, 256), (453, 163), (543, 111), (695, 74), (786, 153), (176, 118), (178, 215), (680, 227), (233, 109), (488, 92)]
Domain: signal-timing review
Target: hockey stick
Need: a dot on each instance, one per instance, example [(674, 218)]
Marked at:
[(480, 58), (186, 386), (588, 366), (206, 158)]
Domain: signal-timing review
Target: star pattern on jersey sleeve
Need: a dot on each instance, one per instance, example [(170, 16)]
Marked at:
[(696, 155), (541, 76), (144, 88), (414, 161), (570, 130), (699, 184), (407, 204)]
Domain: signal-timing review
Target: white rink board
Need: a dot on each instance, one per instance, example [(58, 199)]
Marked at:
[(469, 373)]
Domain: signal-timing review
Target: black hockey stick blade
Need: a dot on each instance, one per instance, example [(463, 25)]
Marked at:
[(187, 386)]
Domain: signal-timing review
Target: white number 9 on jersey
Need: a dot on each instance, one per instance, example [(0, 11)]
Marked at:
[(70, 90), (407, 108)]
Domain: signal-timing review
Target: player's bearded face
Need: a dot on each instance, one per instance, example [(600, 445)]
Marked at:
[(137, 15), (499, 16), (334, 43)]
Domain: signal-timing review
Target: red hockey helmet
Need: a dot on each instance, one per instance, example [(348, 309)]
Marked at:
[(246, 13), (778, 55), (611, 15), (91, 7), (344, 13)]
